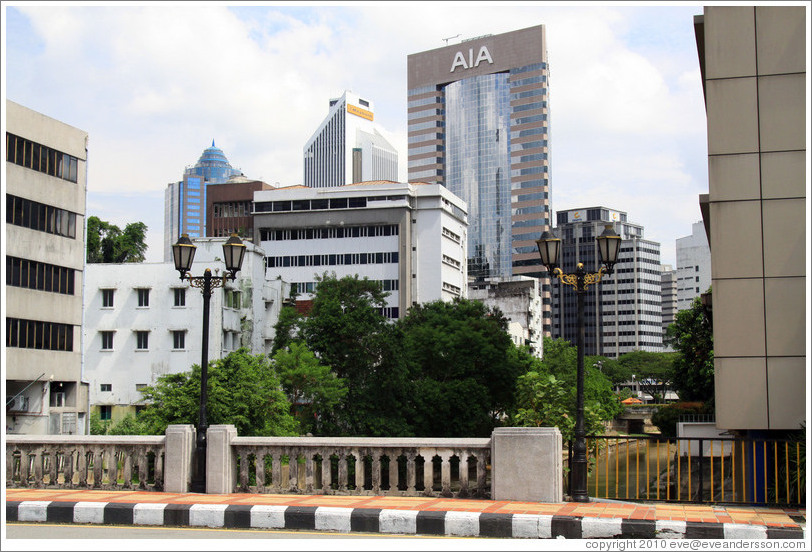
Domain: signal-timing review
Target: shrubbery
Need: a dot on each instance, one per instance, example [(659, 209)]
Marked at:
[(666, 417)]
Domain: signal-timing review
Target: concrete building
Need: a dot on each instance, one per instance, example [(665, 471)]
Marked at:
[(693, 266), (409, 237), (348, 147), (668, 283), (478, 115), (185, 201), (753, 66), (623, 312), (519, 299), (45, 189), (142, 322), (228, 207)]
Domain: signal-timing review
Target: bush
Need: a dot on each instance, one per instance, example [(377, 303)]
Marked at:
[(666, 417)]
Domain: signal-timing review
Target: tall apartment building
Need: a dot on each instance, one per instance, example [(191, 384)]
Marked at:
[(668, 283), (623, 312), (693, 266), (185, 201), (348, 147), (142, 321), (478, 124), (753, 66), (46, 188), (519, 299), (409, 237)]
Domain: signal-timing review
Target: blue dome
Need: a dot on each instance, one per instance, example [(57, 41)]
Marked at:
[(213, 166)]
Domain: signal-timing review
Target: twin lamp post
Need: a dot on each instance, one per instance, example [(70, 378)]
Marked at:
[(184, 253), (549, 250)]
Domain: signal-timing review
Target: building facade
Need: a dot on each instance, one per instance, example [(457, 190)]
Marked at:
[(142, 322), (668, 283), (228, 207), (519, 299), (348, 147), (409, 237), (478, 115), (753, 66), (693, 266), (185, 201), (46, 188), (623, 312)]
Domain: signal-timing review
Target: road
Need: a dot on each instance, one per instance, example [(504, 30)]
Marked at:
[(75, 531)]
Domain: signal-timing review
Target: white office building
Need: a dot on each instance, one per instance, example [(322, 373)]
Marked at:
[(409, 237), (142, 321), (669, 299), (348, 147), (45, 187), (693, 266)]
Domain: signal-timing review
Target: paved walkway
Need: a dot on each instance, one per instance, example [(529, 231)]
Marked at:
[(406, 515)]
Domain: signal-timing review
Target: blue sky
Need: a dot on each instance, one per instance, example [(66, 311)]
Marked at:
[(153, 84)]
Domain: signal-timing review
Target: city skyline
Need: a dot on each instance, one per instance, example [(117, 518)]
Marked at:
[(153, 85)]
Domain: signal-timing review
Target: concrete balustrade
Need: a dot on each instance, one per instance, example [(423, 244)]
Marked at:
[(513, 464)]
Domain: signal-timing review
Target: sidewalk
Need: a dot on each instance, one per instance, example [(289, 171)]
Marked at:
[(406, 515)]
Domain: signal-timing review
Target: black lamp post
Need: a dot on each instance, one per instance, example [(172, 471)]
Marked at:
[(184, 253), (549, 250)]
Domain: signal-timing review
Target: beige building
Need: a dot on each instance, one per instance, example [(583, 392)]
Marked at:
[(753, 62), (46, 185)]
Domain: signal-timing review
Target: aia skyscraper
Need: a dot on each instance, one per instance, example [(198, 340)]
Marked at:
[(478, 116)]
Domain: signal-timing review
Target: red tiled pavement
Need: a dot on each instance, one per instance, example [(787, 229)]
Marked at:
[(772, 517)]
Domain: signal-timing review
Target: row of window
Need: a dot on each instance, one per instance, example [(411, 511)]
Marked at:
[(332, 259), (142, 340), (231, 209), (39, 216), (109, 294), (453, 236), (320, 204), (36, 334), (40, 276), (310, 287), (369, 231), (32, 155)]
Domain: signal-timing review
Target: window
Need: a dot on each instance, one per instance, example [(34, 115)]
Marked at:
[(143, 297), (142, 340), (179, 339), (35, 334), (32, 155), (180, 297), (105, 412), (107, 297), (39, 216), (40, 276), (107, 341), (106, 387)]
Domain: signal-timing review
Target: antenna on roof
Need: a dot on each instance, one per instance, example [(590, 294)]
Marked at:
[(449, 38)]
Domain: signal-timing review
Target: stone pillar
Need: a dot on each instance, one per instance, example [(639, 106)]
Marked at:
[(221, 465), (527, 464), (178, 452)]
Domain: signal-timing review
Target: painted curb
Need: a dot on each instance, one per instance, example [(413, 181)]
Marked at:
[(368, 520)]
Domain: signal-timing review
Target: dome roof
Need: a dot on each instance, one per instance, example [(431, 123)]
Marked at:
[(213, 166), (213, 157)]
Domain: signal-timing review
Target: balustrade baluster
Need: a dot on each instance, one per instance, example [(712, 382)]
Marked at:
[(309, 483), (481, 474), (411, 472), (428, 471), (98, 467), (243, 457), (360, 471), (159, 469), (394, 454), (376, 470), (445, 473), (53, 468), (342, 470), (37, 455), (260, 468), (326, 471), (293, 470), (276, 472), (463, 456), (128, 455)]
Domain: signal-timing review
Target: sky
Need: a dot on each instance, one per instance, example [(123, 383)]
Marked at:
[(154, 83)]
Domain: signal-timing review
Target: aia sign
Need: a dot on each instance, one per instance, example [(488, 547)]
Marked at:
[(460, 61)]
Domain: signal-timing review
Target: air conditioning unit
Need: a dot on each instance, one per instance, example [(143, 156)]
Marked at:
[(19, 404)]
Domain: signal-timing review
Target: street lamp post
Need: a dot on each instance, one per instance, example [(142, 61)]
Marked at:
[(549, 249), (184, 253)]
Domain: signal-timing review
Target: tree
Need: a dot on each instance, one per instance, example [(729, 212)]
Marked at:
[(243, 390), (311, 387), (691, 336), (462, 366), (286, 329), (106, 243), (654, 372)]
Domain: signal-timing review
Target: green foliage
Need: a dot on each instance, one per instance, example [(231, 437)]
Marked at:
[(312, 388), (666, 417), (286, 328), (129, 425), (97, 425), (106, 243), (691, 336), (654, 372), (543, 402), (243, 390), (463, 367)]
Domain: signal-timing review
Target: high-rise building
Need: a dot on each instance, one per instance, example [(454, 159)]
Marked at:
[(478, 118), (348, 147), (228, 207), (409, 237), (693, 266), (623, 312), (753, 66), (46, 188), (668, 281), (185, 201)]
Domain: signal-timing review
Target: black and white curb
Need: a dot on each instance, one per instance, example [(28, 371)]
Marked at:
[(367, 520)]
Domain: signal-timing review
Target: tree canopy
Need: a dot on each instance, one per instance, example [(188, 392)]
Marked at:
[(691, 335), (654, 372), (107, 243)]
